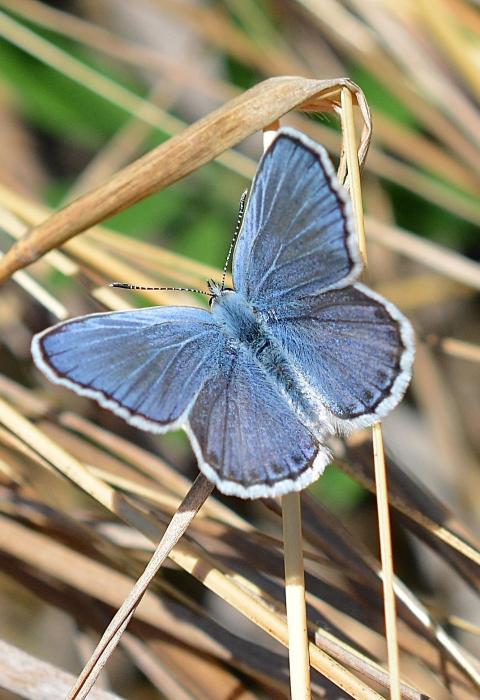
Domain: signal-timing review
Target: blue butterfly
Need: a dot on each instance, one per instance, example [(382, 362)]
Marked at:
[(296, 352)]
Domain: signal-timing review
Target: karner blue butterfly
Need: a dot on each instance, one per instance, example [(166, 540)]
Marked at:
[(296, 352)]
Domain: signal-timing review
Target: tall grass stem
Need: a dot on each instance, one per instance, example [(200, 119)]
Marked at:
[(348, 130), (298, 654)]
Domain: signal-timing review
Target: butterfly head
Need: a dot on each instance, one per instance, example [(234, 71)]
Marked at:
[(216, 290), (219, 295)]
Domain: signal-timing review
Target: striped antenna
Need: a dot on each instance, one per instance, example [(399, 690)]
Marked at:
[(241, 210), (125, 285)]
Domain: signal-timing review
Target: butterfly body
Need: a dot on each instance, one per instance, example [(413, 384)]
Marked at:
[(296, 352), (247, 328), (236, 317)]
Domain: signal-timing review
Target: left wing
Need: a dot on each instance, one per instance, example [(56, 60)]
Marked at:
[(145, 365), (297, 237)]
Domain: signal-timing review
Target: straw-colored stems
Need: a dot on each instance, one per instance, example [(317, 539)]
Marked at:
[(185, 554), (461, 349), (28, 676), (294, 576), (387, 562), (190, 506), (295, 598), (198, 144), (348, 130)]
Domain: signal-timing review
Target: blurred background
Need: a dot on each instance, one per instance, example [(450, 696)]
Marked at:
[(88, 86)]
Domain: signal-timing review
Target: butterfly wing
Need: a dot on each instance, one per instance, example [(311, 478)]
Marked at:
[(146, 365), (247, 438), (297, 238), (351, 348)]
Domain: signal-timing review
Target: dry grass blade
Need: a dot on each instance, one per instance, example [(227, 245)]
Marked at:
[(417, 497), (184, 554), (348, 128), (212, 23), (118, 47), (182, 154), (62, 61), (29, 677), (339, 543), (36, 291), (387, 559), (455, 347), (363, 665), (158, 673), (184, 515), (295, 598), (299, 659), (72, 568), (164, 609), (122, 148), (169, 479), (114, 259), (447, 262), (419, 65), (406, 142)]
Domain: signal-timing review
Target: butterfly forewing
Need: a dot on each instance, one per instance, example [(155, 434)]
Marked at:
[(295, 262), (297, 237), (146, 365)]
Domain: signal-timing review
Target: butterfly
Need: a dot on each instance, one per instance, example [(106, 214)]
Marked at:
[(296, 352)]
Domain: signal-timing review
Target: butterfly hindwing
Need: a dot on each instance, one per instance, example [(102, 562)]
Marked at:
[(352, 348), (297, 238), (146, 365), (247, 437)]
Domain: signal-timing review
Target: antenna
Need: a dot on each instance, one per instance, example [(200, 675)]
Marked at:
[(125, 285), (238, 226)]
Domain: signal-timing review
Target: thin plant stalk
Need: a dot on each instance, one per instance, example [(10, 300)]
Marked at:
[(189, 507), (299, 658), (298, 652), (185, 554), (386, 559), (348, 129)]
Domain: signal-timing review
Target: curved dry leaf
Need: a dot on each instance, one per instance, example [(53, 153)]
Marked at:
[(198, 144)]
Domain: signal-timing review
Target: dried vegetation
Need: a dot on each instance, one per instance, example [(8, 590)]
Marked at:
[(84, 499)]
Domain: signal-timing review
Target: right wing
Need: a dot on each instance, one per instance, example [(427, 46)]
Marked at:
[(352, 348)]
